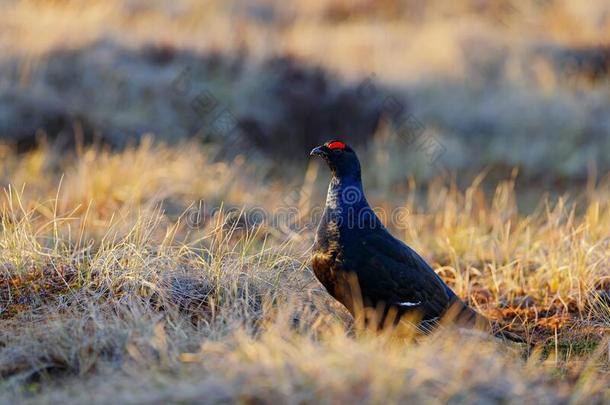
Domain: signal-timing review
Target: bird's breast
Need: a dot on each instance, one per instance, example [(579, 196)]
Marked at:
[(329, 270), (327, 257)]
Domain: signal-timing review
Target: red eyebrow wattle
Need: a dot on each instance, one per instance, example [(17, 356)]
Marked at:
[(336, 145)]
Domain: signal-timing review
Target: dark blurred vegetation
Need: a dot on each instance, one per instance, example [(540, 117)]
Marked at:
[(495, 94)]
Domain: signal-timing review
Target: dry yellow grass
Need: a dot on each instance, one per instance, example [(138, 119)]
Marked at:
[(107, 296)]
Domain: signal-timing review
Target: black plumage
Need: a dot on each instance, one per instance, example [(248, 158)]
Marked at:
[(358, 260)]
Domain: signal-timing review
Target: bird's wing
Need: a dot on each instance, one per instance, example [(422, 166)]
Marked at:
[(391, 272)]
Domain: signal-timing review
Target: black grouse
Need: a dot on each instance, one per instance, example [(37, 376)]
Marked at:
[(352, 244)]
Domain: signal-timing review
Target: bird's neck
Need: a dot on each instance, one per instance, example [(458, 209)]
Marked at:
[(346, 210), (345, 192)]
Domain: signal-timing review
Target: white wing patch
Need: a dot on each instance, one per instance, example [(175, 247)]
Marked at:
[(408, 304)]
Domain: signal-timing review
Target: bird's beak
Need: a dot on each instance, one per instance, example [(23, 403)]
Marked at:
[(319, 151)]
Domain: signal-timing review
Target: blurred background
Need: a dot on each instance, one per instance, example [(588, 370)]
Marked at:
[(422, 88)]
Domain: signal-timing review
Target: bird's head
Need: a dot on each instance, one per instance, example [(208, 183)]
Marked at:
[(341, 159)]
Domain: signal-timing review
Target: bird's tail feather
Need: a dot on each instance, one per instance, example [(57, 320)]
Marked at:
[(466, 317)]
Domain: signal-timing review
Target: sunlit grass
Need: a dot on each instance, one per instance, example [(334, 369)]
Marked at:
[(103, 286)]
